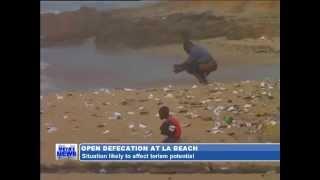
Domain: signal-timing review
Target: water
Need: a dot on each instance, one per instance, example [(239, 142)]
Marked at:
[(82, 67), (62, 6)]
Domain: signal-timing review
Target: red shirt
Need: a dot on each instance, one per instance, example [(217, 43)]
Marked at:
[(175, 122)]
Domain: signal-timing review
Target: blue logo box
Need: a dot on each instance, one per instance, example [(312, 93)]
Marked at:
[(66, 151)]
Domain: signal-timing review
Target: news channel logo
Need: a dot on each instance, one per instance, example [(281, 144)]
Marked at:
[(66, 151)]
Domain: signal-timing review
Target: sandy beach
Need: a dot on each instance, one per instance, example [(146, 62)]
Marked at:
[(161, 176), (131, 115)]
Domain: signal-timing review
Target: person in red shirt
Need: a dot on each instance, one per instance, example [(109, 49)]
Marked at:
[(170, 127)]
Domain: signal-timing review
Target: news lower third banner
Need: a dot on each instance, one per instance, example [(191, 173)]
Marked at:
[(171, 152)]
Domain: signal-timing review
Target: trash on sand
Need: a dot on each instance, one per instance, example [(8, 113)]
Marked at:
[(270, 95), (206, 101), (106, 132), (96, 92), (194, 86), (169, 95), (218, 110), (262, 84), (216, 131), (183, 110), (231, 108), (128, 90), (210, 108), (190, 97), (102, 171), (141, 108), (88, 104), (142, 126), (228, 119), (156, 115), (191, 115), (148, 133), (247, 106), (65, 117), (116, 115), (131, 126), (131, 113), (264, 93), (106, 103), (235, 92), (52, 129), (59, 97), (150, 96), (273, 123), (157, 99)]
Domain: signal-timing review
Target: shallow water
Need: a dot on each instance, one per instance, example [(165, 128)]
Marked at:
[(82, 67)]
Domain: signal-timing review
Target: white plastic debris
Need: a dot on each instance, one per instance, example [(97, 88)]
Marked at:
[(190, 97), (205, 101), (194, 86), (150, 96), (273, 123), (166, 89), (107, 91), (141, 108), (247, 106), (131, 126), (262, 84), (88, 104), (235, 92), (116, 115), (169, 95), (269, 94), (127, 89), (59, 97), (96, 92), (262, 38), (218, 110), (131, 113), (156, 115), (106, 132), (222, 88), (52, 129), (148, 133), (231, 108), (170, 86), (218, 100), (143, 126), (180, 107), (216, 131), (102, 171), (264, 93), (65, 117)]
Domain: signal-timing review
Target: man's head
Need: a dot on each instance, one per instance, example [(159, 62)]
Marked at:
[(164, 112), (187, 45)]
